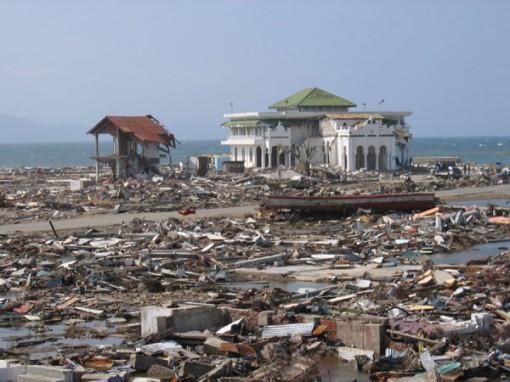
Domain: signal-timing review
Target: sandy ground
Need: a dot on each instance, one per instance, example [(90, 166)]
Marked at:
[(501, 191), (94, 221)]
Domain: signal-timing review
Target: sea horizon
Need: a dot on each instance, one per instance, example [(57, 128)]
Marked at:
[(482, 149)]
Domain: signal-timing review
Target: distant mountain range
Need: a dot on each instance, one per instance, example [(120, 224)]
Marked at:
[(15, 129)]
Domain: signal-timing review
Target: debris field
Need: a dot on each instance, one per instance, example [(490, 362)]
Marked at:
[(194, 299)]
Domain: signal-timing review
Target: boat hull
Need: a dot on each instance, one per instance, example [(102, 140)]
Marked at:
[(346, 203)]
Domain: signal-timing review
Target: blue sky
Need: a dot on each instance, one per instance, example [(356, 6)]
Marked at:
[(186, 61)]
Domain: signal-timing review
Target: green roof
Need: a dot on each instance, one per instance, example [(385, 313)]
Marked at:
[(312, 97)]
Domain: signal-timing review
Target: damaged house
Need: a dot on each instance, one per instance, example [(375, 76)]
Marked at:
[(138, 143)]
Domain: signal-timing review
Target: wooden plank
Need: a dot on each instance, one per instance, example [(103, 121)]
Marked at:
[(89, 310), (68, 302)]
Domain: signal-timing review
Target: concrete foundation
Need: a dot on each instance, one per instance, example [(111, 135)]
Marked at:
[(194, 368), (185, 318), (362, 332), (10, 371), (143, 362)]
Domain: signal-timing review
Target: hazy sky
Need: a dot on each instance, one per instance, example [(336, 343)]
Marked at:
[(186, 61)]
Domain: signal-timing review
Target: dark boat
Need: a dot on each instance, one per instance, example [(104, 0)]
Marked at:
[(349, 203)]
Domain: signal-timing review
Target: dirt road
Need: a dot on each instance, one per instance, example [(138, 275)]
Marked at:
[(490, 192), (501, 191), (113, 219)]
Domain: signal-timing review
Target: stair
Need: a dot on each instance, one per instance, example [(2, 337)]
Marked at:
[(36, 373)]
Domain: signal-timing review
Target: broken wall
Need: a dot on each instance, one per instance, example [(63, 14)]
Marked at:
[(157, 320)]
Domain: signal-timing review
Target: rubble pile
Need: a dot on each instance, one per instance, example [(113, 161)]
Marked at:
[(194, 299), (42, 195), (38, 194), (165, 288)]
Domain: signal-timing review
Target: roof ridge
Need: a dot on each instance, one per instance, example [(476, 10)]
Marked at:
[(312, 97), (309, 94)]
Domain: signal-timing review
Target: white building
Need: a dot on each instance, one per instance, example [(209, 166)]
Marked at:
[(317, 126)]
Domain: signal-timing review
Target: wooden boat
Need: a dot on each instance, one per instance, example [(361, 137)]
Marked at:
[(349, 203)]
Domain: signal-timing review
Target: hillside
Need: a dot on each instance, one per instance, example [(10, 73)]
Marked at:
[(15, 129)]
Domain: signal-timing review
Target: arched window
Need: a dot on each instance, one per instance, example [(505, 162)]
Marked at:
[(274, 157), (383, 159), (360, 158), (371, 158)]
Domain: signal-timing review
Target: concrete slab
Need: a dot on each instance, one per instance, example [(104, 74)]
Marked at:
[(10, 370)]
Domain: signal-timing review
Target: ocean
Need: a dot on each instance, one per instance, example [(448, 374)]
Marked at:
[(77, 154)]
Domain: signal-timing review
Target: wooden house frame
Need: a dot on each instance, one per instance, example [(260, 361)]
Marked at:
[(137, 142)]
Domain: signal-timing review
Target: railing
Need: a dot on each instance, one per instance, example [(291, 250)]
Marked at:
[(242, 139)]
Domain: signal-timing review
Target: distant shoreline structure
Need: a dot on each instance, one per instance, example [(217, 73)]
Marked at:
[(77, 154), (427, 160)]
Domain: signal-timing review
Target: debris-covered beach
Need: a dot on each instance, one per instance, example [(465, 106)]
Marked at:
[(192, 278)]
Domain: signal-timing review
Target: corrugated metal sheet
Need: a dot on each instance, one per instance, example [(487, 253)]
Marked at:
[(288, 330), (146, 128)]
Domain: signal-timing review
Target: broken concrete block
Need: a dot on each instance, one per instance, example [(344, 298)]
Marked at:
[(373, 337), (143, 362), (212, 345), (80, 184), (223, 369), (268, 351), (442, 277), (39, 372), (10, 370), (161, 372), (300, 368), (265, 317), (195, 369), (184, 318)]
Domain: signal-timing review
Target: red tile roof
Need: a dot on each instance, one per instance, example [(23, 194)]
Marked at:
[(145, 129)]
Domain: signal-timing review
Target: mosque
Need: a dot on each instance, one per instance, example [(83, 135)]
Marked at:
[(318, 127)]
